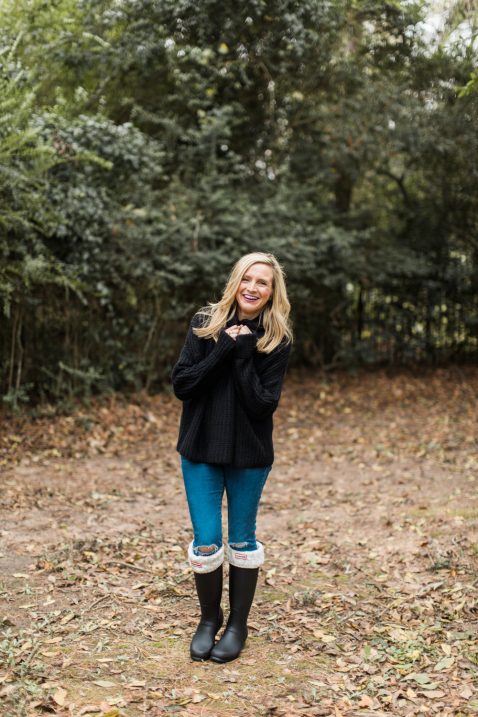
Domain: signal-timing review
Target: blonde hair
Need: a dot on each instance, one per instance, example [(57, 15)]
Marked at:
[(275, 315)]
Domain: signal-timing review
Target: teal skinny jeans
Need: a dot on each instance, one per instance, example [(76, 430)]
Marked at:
[(205, 484)]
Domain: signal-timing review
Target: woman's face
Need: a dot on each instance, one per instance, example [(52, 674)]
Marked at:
[(254, 291)]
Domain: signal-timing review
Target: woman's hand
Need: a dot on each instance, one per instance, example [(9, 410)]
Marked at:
[(233, 331), (236, 330)]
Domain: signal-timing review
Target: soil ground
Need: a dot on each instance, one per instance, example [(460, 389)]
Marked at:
[(367, 603)]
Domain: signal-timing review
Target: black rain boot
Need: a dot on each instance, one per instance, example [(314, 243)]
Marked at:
[(242, 586), (209, 591)]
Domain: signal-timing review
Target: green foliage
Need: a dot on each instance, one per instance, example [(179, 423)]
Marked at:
[(146, 144), (24, 160)]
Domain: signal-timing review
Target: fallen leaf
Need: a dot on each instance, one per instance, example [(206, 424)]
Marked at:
[(420, 677), (67, 618), (444, 663), (88, 709), (198, 698), (60, 696), (323, 637), (365, 701), (7, 690)]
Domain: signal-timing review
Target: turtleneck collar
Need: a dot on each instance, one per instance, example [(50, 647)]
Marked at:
[(252, 324)]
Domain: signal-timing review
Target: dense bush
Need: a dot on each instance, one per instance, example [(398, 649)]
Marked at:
[(147, 144)]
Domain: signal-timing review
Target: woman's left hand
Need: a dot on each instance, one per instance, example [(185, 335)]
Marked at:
[(244, 330)]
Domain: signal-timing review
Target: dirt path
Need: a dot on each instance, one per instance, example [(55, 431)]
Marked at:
[(367, 603)]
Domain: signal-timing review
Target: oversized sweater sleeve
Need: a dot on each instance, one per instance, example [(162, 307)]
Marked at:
[(259, 394), (192, 373)]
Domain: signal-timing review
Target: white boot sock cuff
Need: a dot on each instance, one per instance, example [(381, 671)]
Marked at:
[(205, 563), (246, 558)]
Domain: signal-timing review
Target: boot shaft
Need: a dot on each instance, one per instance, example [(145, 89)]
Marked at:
[(209, 591), (242, 587)]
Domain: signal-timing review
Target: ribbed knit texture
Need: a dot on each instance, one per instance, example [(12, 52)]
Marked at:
[(229, 392)]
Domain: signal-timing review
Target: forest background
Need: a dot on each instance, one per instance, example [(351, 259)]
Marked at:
[(147, 144)]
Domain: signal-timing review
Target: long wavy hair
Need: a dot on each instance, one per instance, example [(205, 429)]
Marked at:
[(275, 314)]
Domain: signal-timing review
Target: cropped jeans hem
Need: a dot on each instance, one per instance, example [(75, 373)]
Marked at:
[(204, 563), (246, 558), (207, 563)]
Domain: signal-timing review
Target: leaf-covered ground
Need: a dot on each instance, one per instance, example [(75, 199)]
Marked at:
[(367, 604)]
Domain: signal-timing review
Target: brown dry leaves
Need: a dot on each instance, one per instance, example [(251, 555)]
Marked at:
[(368, 601)]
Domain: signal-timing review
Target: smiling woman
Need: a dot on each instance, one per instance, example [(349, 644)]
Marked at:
[(229, 376)]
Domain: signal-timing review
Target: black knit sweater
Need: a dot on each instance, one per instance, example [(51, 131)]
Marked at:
[(229, 392)]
